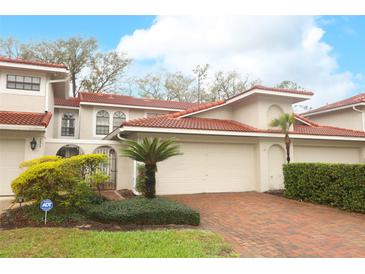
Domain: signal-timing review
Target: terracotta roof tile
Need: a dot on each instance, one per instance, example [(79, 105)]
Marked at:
[(166, 121), (117, 99), (33, 63), (70, 102), (171, 122), (359, 98), (25, 118)]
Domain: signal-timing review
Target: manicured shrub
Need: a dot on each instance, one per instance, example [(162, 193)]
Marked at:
[(339, 185), (61, 180), (143, 211), (40, 160)]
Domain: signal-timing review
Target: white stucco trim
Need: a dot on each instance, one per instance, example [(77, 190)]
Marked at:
[(81, 141), (332, 109), (267, 92), (33, 67), (66, 107), (232, 133), (129, 106), (22, 127)]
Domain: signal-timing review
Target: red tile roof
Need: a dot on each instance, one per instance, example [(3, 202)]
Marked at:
[(70, 102), (169, 121), (33, 63), (117, 99), (166, 121), (317, 129), (25, 118), (359, 98)]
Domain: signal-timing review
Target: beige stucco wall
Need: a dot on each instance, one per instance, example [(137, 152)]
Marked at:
[(88, 118), (346, 118), (223, 112), (258, 111), (22, 100)]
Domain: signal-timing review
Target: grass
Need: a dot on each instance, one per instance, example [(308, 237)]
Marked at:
[(75, 243)]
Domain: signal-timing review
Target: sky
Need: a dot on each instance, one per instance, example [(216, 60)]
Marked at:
[(321, 53)]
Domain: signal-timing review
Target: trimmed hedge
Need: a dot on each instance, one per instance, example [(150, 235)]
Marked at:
[(143, 211), (339, 185)]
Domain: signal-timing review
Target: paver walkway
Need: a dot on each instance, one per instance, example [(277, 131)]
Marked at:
[(264, 225)]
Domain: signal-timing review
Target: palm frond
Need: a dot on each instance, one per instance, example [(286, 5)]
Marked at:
[(150, 150)]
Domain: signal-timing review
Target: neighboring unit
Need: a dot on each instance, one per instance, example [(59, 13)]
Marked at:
[(349, 113), (227, 146)]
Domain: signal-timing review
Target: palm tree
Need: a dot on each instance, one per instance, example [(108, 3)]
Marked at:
[(150, 151), (284, 122)]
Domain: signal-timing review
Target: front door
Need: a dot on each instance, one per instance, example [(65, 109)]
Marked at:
[(110, 168)]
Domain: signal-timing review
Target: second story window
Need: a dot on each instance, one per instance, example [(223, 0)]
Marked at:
[(23, 82), (68, 125), (102, 122), (118, 118)]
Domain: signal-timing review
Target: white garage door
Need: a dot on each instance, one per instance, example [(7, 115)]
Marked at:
[(208, 168), (11, 155), (326, 154)]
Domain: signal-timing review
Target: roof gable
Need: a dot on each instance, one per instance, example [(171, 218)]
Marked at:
[(354, 100)]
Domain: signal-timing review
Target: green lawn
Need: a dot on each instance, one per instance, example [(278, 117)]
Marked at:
[(75, 243)]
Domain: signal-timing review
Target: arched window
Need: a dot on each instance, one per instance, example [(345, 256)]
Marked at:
[(118, 118), (102, 122), (69, 151)]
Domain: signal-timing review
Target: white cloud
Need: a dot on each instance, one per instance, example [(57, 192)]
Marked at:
[(272, 48)]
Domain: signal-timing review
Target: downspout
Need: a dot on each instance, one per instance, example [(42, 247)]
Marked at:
[(362, 117), (134, 188)]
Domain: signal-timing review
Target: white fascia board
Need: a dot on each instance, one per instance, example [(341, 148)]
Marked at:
[(81, 141), (33, 67), (22, 127), (128, 106), (332, 109), (66, 107), (235, 133), (267, 92), (304, 122)]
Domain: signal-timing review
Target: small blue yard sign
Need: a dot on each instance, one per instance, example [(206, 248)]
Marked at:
[(46, 205)]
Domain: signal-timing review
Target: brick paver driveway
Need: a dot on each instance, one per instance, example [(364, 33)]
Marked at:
[(263, 225)]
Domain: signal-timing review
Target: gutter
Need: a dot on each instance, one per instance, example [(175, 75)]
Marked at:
[(362, 117)]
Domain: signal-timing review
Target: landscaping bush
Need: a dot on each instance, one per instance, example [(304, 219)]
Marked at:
[(339, 185), (61, 180), (143, 211)]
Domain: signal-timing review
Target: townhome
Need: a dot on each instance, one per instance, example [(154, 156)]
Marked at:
[(227, 145), (349, 113)]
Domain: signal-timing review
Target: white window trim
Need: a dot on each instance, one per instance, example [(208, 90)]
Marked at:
[(111, 113), (61, 113), (5, 90)]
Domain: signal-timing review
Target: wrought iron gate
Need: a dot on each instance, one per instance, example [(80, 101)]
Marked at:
[(109, 168)]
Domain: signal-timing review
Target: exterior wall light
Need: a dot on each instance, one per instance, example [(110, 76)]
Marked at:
[(33, 144)]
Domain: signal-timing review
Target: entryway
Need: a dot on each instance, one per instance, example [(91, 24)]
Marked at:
[(109, 168)]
